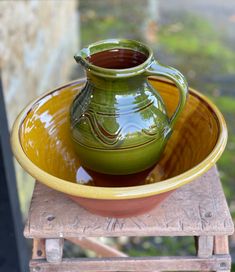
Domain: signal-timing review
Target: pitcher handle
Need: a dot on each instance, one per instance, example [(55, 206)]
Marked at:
[(157, 69)]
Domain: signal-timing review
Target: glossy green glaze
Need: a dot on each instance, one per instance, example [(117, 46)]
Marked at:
[(118, 116)]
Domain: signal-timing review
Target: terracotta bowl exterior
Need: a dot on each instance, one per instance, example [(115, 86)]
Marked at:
[(41, 143), (121, 208)]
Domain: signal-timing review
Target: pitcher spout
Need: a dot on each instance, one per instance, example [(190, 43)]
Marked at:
[(79, 59)]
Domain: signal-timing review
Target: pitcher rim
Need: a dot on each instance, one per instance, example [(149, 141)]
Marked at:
[(107, 44)]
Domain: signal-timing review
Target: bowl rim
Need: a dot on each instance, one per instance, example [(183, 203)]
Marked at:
[(117, 193)]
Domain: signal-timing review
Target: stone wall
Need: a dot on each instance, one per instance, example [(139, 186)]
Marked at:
[(37, 42)]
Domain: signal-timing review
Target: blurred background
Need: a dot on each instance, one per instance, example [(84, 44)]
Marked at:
[(39, 38)]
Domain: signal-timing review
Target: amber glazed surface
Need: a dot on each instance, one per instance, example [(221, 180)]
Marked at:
[(41, 142)]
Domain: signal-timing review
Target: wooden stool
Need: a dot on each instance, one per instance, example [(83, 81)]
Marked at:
[(197, 209)]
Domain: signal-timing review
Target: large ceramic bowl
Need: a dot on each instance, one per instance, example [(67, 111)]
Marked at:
[(42, 145)]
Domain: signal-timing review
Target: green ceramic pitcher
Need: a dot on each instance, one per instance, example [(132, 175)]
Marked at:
[(119, 123)]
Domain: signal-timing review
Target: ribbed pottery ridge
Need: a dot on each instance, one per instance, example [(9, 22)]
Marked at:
[(119, 120)]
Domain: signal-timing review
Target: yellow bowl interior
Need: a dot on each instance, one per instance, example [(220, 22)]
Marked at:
[(41, 142)]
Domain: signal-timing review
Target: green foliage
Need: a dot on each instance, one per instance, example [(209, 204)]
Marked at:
[(227, 172), (99, 23), (160, 246), (200, 48), (226, 104), (192, 36)]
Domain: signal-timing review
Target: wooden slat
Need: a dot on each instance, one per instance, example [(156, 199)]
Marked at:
[(99, 248), (136, 264), (96, 246), (198, 208)]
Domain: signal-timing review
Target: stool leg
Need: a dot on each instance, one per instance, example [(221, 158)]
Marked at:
[(221, 246), (54, 250), (205, 246), (38, 249)]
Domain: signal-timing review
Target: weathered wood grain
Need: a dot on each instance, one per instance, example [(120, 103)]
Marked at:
[(198, 208), (221, 262)]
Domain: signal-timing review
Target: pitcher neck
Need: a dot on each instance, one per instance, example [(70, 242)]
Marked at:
[(115, 84)]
